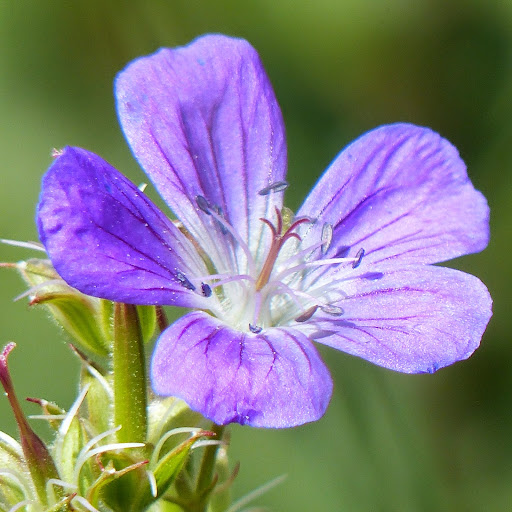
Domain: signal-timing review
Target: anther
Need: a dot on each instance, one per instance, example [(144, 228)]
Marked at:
[(206, 289), (184, 281), (326, 237), (218, 210), (332, 310), (307, 314), (372, 276), (278, 186), (358, 259), (255, 329), (203, 204), (142, 187)]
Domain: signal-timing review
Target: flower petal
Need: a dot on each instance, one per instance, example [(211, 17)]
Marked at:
[(203, 121), (414, 320), (400, 191), (272, 379), (107, 239)]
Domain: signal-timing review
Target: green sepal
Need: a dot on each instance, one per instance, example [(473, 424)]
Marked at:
[(165, 506), (99, 394), (49, 409), (220, 499), (166, 470), (147, 320), (11, 493), (166, 414), (64, 505), (11, 454), (36, 454), (82, 316), (118, 482), (67, 447), (105, 320), (171, 464), (13, 482)]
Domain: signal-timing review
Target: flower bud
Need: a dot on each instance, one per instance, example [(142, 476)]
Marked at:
[(36, 454), (86, 319)]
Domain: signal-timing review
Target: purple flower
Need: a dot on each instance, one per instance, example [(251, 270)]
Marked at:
[(350, 270)]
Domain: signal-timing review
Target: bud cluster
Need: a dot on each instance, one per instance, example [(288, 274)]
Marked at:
[(118, 447)]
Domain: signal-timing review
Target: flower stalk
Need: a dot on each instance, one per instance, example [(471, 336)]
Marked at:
[(130, 397)]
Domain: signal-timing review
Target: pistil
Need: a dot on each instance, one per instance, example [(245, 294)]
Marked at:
[(278, 240)]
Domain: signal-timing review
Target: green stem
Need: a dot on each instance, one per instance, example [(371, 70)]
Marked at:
[(130, 398), (205, 476)]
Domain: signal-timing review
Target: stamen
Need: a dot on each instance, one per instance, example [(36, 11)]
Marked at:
[(223, 222), (142, 187), (307, 314), (218, 210), (206, 290), (275, 288), (257, 310), (227, 278), (317, 263), (255, 329), (320, 291), (302, 254), (203, 204), (326, 237), (359, 257), (184, 281), (278, 186), (332, 310), (372, 276)]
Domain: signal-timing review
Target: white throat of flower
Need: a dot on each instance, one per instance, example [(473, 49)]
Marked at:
[(288, 285)]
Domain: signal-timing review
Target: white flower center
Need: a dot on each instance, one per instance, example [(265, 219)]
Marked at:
[(289, 285)]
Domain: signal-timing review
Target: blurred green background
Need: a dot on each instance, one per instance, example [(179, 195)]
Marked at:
[(389, 442)]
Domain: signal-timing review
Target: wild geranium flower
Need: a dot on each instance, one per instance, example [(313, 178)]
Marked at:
[(351, 269)]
